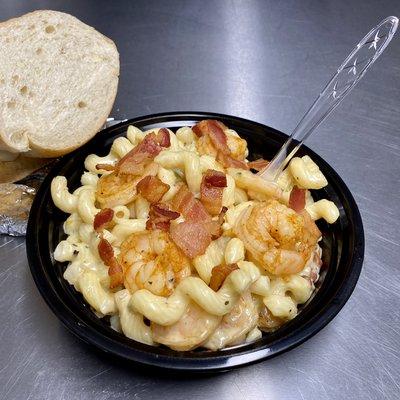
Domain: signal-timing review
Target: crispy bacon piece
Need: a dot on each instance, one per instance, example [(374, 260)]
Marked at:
[(152, 188), (106, 252), (190, 207), (135, 161), (160, 217), (214, 178), (115, 271), (106, 167), (192, 238), (218, 136), (297, 199), (215, 131), (219, 274), (195, 234), (212, 186), (103, 219), (202, 127), (164, 210), (229, 162), (258, 164), (163, 137)]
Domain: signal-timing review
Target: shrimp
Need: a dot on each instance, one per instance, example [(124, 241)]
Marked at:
[(195, 326), (313, 266), (235, 325), (119, 189), (276, 237), (236, 145), (151, 260), (204, 146)]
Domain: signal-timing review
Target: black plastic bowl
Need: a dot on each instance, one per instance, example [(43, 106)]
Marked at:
[(343, 252)]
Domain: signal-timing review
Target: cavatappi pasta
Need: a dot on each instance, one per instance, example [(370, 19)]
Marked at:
[(175, 238)]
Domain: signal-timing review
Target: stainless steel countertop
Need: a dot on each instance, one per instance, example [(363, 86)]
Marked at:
[(266, 61)]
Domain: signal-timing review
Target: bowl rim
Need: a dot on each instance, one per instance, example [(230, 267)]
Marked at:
[(183, 361)]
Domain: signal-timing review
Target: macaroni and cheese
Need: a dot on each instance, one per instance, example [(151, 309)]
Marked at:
[(178, 239)]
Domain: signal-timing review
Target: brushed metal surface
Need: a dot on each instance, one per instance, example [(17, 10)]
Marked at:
[(266, 61)]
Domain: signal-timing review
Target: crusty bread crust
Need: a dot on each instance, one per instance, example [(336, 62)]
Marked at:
[(58, 82)]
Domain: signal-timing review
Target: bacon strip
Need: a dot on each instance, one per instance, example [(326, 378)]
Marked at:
[(134, 165), (258, 164), (297, 199), (163, 137), (135, 161), (115, 272), (200, 129), (211, 189), (198, 229), (219, 274), (229, 162), (218, 137), (160, 217), (103, 219), (215, 131), (152, 188), (190, 207), (215, 178), (192, 237)]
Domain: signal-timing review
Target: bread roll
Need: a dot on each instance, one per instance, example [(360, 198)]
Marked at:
[(58, 82)]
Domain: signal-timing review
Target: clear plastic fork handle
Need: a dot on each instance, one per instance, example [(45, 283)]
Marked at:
[(347, 76)]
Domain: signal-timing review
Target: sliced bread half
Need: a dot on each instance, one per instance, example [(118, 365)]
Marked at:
[(58, 82)]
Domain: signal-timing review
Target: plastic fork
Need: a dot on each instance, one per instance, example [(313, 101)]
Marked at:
[(347, 76)]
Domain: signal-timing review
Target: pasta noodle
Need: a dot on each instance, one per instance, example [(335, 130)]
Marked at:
[(253, 335), (234, 251), (185, 135), (92, 160), (188, 162), (86, 207), (142, 207), (126, 227), (213, 256), (248, 181), (229, 282), (131, 323), (306, 173), (325, 209), (169, 177), (135, 135), (93, 292), (168, 311), (89, 179), (63, 200), (121, 147)]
